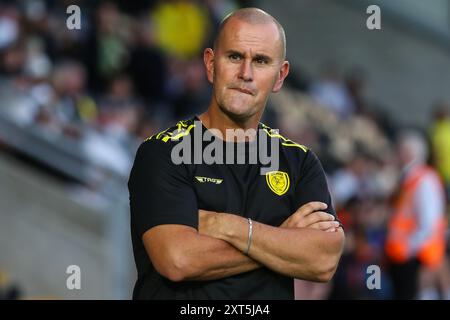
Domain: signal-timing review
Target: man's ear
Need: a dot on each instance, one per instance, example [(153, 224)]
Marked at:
[(208, 59), (284, 71)]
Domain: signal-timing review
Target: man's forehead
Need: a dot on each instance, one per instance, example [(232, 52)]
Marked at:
[(257, 36)]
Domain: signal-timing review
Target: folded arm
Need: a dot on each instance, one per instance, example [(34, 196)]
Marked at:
[(298, 252), (180, 253)]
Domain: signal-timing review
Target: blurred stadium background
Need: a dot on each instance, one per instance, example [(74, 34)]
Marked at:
[(75, 104)]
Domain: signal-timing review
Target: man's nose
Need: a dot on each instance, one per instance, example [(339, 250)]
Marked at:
[(246, 71)]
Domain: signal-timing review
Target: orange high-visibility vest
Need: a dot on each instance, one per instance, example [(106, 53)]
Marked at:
[(404, 222)]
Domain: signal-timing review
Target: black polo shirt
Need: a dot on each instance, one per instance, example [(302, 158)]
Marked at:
[(162, 192)]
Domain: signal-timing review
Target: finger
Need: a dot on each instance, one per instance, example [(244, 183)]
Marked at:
[(325, 225), (311, 207), (336, 225), (301, 221), (317, 216)]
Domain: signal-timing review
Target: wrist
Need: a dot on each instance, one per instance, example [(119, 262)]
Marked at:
[(250, 236), (235, 230)]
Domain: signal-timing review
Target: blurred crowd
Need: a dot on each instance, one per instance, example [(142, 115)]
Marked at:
[(128, 72), (135, 67), (390, 187)]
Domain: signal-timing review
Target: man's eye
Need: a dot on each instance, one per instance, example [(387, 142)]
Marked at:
[(261, 61), (234, 57)]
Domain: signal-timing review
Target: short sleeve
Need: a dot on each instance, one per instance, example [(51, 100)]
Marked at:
[(160, 191), (312, 184)]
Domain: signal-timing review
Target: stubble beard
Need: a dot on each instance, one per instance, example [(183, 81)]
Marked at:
[(240, 118)]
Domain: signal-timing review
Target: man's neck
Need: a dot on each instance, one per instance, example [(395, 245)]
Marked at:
[(214, 118)]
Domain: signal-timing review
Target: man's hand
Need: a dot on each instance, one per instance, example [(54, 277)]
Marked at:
[(310, 216), (294, 249), (307, 216)]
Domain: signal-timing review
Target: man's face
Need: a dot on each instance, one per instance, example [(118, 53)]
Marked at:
[(245, 67)]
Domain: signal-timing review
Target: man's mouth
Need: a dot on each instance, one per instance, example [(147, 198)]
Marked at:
[(243, 90)]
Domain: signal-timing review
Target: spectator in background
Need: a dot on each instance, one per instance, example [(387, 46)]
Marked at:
[(355, 82), (360, 190), (364, 221), (416, 230), (147, 65), (195, 93), (108, 45), (12, 61), (351, 181), (9, 25), (331, 92), (50, 25), (69, 104), (119, 110)]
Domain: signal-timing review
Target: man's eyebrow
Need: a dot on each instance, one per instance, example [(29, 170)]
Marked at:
[(256, 56), (263, 56), (231, 51)]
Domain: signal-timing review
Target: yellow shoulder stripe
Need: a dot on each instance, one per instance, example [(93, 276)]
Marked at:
[(295, 145), (183, 133), (157, 135), (182, 130), (287, 142)]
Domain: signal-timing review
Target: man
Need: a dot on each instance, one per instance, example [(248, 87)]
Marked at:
[(416, 229), (226, 231)]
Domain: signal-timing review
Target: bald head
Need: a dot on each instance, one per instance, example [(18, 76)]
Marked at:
[(252, 16)]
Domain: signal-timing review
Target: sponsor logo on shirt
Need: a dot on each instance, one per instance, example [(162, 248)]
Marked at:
[(210, 180)]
